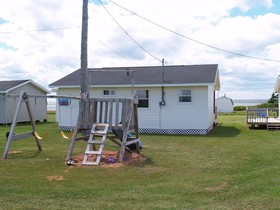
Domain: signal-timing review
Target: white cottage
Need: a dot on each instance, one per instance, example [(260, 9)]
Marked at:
[(277, 90), (172, 99), (224, 104), (8, 104)]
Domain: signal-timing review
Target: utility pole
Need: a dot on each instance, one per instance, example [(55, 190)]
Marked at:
[(84, 51), (83, 118), (82, 122)]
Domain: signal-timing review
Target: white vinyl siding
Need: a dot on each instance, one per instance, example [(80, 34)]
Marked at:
[(68, 115), (210, 102), (173, 115), (38, 105)]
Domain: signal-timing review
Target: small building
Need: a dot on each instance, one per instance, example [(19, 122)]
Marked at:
[(171, 99), (9, 92), (224, 104), (277, 90)]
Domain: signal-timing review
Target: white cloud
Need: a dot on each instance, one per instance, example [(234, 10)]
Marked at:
[(46, 56)]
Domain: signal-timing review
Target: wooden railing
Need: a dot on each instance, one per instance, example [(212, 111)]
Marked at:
[(113, 111), (260, 115)]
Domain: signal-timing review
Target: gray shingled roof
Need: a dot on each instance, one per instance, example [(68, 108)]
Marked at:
[(152, 75), (6, 85)]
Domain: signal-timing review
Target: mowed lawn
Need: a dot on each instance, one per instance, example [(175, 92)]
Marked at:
[(231, 168)]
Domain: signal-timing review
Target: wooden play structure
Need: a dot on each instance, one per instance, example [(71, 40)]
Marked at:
[(98, 117)]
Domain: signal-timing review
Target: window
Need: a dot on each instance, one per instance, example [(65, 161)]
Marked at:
[(64, 101), (109, 92), (143, 98), (185, 96)]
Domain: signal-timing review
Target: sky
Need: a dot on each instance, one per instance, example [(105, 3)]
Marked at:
[(41, 40)]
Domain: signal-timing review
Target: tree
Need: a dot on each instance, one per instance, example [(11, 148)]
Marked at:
[(273, 99)]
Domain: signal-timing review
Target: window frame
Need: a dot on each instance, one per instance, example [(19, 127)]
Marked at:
[(146, 99), (187, 95), (111, 92), (64, 101)]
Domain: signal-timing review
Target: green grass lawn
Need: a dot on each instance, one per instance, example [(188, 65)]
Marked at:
[(231, 168)]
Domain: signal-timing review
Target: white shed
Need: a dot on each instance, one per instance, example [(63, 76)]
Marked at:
[(277, 90), (224, 104), (172, 99), (8, 104)]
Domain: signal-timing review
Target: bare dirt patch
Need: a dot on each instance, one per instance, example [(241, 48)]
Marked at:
[(14, 152), (221, 186), (55, 178), (110, 159)]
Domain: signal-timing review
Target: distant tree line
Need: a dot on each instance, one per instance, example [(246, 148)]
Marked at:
[(271, 103)]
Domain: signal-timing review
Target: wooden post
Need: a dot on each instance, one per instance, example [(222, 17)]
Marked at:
[(84, 48), (31, 120), (82, 122), (126, 125), (136, 128), (73, 139), (84, 67), (22, 98)]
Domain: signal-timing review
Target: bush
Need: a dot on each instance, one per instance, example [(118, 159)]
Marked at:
[(239, 108), (268, 105)]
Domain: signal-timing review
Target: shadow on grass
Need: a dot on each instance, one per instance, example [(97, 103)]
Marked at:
[(147, 162), (224, 131), (23, 154)]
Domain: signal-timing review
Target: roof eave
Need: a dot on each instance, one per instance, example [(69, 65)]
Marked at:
[(217, 80), (277, 84), (137, 85), (26, 82)]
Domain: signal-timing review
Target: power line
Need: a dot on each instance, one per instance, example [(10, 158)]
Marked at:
[(63, 28), (116, 52), (194, 40), (39, 30), (128, 33)]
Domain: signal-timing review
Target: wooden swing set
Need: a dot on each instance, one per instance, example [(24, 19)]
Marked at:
[(98, 117), (23, 98)]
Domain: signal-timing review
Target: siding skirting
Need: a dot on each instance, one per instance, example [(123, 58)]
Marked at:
[(66, 128), (174, 131), (160, 131)]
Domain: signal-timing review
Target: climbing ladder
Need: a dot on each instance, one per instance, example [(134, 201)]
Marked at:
[(93, 156)]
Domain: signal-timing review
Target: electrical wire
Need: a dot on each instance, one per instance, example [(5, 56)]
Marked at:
[(39, 30), (194, 40), (128, 33), (152, 22), (116, 52)]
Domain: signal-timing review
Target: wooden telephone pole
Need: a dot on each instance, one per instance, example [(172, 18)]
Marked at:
[(84, 51), (84, 68), (82, 122)]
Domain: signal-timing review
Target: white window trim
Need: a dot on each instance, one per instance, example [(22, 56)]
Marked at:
[(110, 92), (149, 100), (186, 102)]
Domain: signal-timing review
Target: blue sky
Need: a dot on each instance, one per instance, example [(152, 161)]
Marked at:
[(2, 21), (248, 27), (257, 9)]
